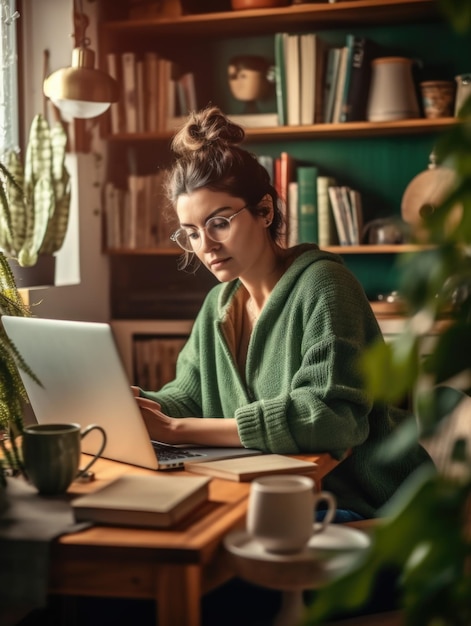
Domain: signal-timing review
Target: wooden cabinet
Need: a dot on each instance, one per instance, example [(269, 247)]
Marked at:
[(379, 159)]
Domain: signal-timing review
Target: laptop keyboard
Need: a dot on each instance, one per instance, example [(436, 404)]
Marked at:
[(167, 453)]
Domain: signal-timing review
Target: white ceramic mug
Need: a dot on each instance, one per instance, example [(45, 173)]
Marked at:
[(281, 512)]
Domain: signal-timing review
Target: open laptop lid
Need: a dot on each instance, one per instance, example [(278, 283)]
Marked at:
[(85, 382)]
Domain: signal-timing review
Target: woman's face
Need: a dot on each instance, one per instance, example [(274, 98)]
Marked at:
[(237, 256)]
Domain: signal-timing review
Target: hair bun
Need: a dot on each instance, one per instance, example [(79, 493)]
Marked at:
[(206, 130)]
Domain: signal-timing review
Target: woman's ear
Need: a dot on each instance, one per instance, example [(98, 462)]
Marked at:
[(266, 209)]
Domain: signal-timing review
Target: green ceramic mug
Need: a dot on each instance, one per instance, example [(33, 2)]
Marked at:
[(51, 454)]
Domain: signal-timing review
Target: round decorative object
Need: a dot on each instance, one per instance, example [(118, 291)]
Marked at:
[(424, 194), (240, 5)]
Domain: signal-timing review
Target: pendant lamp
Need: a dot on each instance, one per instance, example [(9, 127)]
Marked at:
[(81, 91)]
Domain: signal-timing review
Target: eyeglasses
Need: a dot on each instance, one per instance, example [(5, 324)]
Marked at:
[(218, 228)]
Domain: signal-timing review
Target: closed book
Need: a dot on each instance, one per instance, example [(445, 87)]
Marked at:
[(349, 44), (363, 52), (280, 76), (330, 82), (293, 80), (151, 91), (147, 501), (347, 210), (116, 109), (248, 468), (307, 76), (357, 214), (340, 85), (287, 173), (339, 217), (307, 204), (267, 162), (326, 223), (128, 60), (293, 213)]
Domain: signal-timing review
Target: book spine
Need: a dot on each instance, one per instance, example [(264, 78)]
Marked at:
[(350, 39), (339, 87), (151, 76), (280, 77), (319, 79), (357, 98), (293, 79), (287, 173), (347, 211), (117, 124), (335, 200), (140, 96), (307, 61), (307, 204), (330, 83), (326, 224), (128, 60), (293, 213)]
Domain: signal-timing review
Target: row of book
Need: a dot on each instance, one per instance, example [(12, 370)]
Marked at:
[(155, 93), (136, 217), (320, 83), (316, 208), (154, 360)]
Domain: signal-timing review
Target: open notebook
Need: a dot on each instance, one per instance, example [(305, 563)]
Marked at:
[(84, 381)]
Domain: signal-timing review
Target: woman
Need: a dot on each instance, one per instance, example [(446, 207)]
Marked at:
[(272, 360)]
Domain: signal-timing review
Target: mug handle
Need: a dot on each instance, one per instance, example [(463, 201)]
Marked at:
[(326, 496), (84, 433)]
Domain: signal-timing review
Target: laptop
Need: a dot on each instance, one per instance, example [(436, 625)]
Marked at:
[(84, 381)]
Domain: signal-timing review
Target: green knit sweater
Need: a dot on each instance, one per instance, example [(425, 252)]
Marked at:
[(304, 391)]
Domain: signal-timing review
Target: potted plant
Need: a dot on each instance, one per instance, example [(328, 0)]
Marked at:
[(423, 537), (12, 392), (33, 222)]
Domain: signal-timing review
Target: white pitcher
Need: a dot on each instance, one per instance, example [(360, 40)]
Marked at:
[(392, 94)]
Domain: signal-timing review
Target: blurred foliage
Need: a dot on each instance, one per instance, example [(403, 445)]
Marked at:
[(420, 534)]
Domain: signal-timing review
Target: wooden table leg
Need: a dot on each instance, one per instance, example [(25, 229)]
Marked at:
[(178, 595)]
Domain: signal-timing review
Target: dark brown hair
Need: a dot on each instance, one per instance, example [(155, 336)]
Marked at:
[(209, 157)]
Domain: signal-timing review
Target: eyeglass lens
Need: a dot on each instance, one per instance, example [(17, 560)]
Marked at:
[(217, 229)]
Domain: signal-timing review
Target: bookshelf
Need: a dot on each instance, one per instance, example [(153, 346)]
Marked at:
[(379, 159)]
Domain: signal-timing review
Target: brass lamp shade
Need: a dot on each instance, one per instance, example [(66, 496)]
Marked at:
[(81, 90)]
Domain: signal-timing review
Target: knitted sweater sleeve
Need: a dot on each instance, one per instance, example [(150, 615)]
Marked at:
[(319, 404)]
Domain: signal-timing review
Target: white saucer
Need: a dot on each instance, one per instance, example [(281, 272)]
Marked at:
[(325, 556)]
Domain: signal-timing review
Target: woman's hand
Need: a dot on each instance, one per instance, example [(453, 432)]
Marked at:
[(186, 430), (161, 427)]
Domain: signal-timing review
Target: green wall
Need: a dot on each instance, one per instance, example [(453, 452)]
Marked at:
[(379, 167)]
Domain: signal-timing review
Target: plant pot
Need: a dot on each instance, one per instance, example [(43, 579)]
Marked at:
[(40, 275)]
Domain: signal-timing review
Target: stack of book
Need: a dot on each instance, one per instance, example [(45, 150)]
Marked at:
[(156, 94), (316, 209), (348, 77), (300, 71), (320, 83), (135, 217)]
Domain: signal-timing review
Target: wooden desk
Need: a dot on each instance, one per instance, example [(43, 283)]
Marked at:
[(143, 563)]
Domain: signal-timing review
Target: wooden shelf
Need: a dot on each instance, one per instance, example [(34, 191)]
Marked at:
[(143, 251), (374, 249), (362, 249), (257, 21), (319, 131)]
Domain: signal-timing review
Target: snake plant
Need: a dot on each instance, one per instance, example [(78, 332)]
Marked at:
[(34, 210), (12, 392)]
